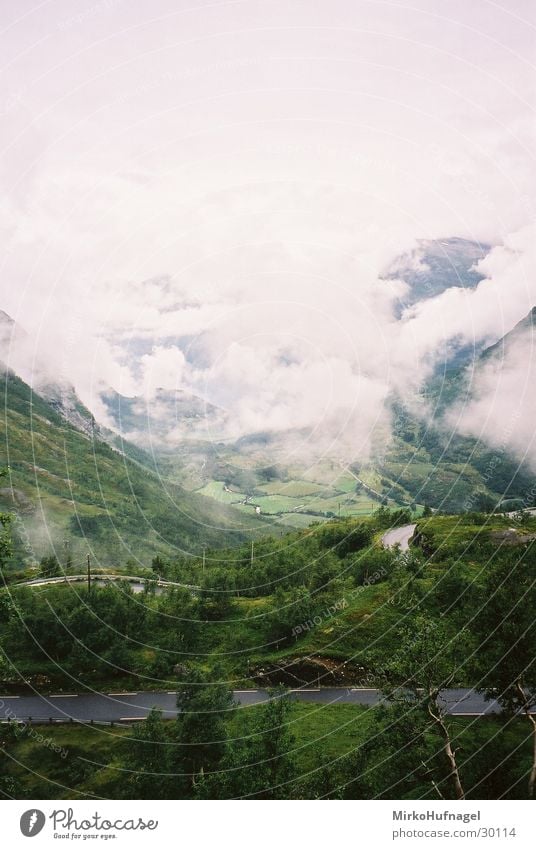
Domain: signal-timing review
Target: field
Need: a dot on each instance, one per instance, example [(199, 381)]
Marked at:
[(295, 501), (86, 762)]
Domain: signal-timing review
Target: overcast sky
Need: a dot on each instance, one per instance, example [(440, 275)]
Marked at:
[(204, 195)]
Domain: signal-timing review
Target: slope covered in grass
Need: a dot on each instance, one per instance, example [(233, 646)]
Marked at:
[(74, 493)]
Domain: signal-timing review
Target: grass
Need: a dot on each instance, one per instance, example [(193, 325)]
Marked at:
[(458, 535), (292, 488), (87, 492), (87, 762), (278, 503), (307, 500), (365, 624), (216, 490), (77, 761), (62, 761)]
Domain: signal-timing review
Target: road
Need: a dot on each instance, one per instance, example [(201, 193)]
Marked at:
[(128, 707), (399, 536), (137, 584)]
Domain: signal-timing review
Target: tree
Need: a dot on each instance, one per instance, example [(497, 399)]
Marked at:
[(158, 564), (260, 763), (506, 632), (49, 567), (399, 757), (271, 748), (8, 736), (6, 543), (216, 595), (146, 759), (424, 665), (201, 730)]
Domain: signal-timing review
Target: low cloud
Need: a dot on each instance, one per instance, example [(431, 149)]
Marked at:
[(501, 409), (214, 211)]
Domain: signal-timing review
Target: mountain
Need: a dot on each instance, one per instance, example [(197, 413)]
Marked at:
[(435, 266), (431, 268), (74, 478), (71, 490), (504, 345), (422, 460), (13, 343), (438, 465), (7, 328), (163, 421)]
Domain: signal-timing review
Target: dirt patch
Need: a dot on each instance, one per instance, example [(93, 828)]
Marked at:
[(17, 499), (311, 671), (511, 536)]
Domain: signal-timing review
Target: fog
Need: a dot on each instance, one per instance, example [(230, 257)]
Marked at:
[(209, 199)]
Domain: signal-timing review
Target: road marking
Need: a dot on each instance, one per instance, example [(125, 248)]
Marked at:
[(66, 696), (460, 713), (301, 690), (171, 693), (131, 718), (9, 697), (121, 694), (245, 691), (362, 689)]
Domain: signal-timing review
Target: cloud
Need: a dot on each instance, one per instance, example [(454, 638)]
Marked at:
[(206, 199), (485, 313), (163, 368), (502, 407)]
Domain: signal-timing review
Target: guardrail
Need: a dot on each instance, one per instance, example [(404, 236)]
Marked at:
[(96, 577), (68, 720)]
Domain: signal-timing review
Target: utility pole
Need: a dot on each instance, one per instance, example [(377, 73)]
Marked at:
[(88, 573), (252, 552)]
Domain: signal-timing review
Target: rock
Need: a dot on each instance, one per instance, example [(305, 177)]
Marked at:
[(17, 499)]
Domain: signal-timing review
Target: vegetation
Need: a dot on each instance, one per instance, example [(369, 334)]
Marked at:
[(327, 606), (319, 751), (81, 493)]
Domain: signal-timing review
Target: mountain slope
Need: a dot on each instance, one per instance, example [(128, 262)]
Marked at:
[(74, 491), (438, 465), (434, 266), (502, 347), (163, 421)]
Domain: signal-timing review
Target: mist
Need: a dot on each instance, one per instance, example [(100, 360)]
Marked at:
[(214, 207)]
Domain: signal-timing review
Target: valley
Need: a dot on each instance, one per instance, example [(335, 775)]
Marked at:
[(250, 582)]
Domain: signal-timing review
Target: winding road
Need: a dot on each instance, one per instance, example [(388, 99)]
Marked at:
[(399, 536), (137, 584), (131, 707), (396, 536)]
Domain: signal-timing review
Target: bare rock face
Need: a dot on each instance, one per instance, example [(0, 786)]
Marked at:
[(511, 536), (16, 499)]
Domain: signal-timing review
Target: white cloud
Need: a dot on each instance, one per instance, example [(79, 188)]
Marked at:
[(206, 198), (502, 407)]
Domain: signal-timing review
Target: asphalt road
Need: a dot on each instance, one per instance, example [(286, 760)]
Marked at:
[(137, 584), (399, 536), (116, 707)]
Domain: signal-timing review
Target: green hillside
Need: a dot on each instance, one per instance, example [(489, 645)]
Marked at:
[(430, 462), (322, 607), (73, 493)]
